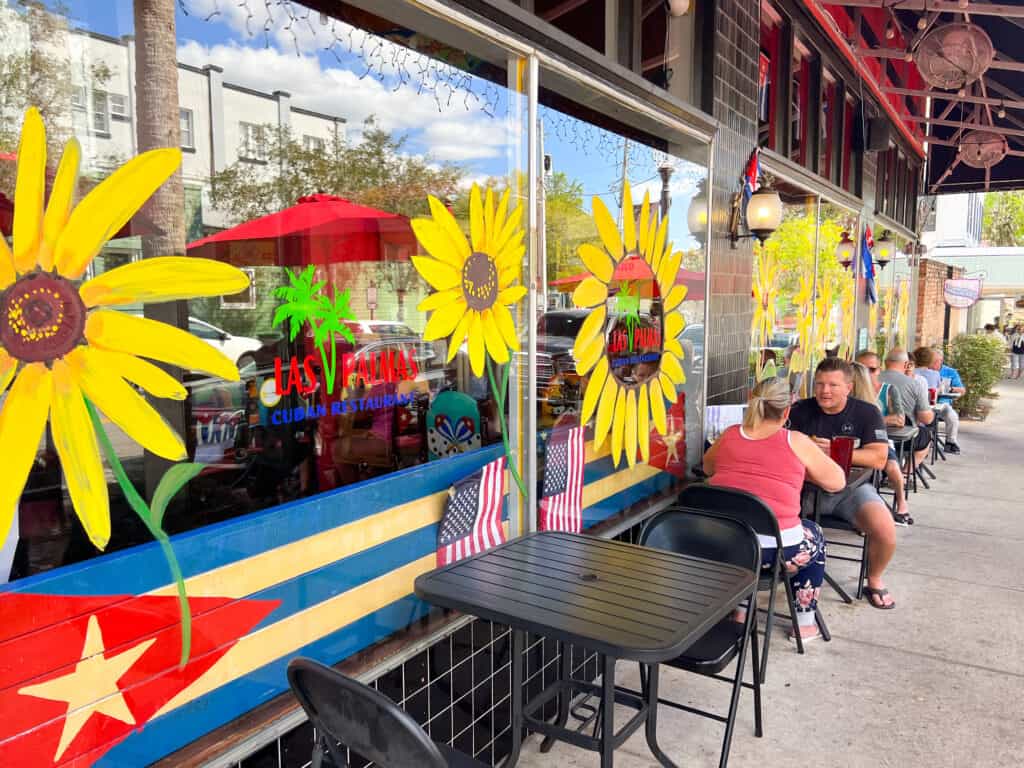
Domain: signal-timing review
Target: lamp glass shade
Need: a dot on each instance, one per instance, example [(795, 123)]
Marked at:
[(764, 213), (884, 249), (697, 216), (844, 251)]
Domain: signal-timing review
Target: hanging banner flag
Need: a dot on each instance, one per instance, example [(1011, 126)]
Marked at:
[(961, 293)]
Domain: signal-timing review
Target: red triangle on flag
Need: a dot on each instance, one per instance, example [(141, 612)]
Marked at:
[(79, 674)]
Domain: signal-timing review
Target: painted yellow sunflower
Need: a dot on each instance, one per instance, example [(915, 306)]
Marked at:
[(626, 404), (474, 280), (59, 342)]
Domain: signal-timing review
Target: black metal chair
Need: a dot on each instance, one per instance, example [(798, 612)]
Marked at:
[(723, 539), (345, 711), (755, 513)]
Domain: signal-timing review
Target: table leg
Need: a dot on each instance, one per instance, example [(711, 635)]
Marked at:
[(652, 715), (608, 720), (517, 699), (564, 697)]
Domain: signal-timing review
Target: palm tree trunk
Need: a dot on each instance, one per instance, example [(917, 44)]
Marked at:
[(156, 99)]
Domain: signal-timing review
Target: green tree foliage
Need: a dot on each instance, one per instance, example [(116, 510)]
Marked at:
[(376, 171), (979, 359), (1002, 222)]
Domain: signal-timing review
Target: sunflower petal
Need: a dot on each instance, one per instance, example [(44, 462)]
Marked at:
[(7, 272), (496, 348), (669, 270), (444, 219), (594, 387), (605, 410), (58, 209), (628, 219), (675, 297), (618, 427), (438, 299), (154, 380), (165, 278), (512, 295), (673, 346), (22, 421), (590, 293), (506, 326), (436, 242), (509, 229), (643, 424), (477, 345), (8, 365), (120, 332), (670, 365), (109, 206), (673, 325), (458, 336), (589, 355), (489, 233), (441, 275), (592, 327), (658, 246), (477, 228), (75, 440), (510, 260), (123, 405), (499, 217), (607, 229), (658, 407), (444, 320), (642, 239), (629, 428), (597, 262), (652, 235), (668, 386), (29, 191)]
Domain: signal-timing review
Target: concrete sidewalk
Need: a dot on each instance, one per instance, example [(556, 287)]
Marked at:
[(936, 683)]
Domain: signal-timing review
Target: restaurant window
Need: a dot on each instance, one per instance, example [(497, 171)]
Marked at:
[(340, 387), (853, 145), (621, 345), (186, 128), (829, 122), (100, 112), (583, 20), (803, 102), (119, 106), (253, 142), (770, 74)]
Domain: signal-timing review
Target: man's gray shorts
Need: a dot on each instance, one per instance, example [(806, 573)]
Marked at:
[(843, 504)]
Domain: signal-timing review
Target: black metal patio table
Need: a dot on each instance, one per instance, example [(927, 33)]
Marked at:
[(619, 600)]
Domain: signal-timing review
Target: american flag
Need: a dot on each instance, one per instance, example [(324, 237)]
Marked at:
[(561, 504), (751, 174), (472, 514), (867, 242)]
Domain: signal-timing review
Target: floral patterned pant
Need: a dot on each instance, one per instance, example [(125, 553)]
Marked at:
[(808, 558)]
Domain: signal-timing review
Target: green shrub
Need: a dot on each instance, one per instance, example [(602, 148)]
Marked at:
[(980, 360)]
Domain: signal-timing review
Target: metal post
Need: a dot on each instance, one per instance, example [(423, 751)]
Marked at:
[(533, 252)]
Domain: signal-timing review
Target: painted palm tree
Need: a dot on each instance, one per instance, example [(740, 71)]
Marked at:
[(627, 305), (306, 303)]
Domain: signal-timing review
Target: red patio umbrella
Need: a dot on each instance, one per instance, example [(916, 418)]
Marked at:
[(318, 229), (634, 268)]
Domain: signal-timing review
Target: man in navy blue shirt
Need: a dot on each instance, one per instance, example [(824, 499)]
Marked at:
[(832, 412)]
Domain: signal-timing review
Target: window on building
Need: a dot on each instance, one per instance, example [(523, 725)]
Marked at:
[(313, 143), (118, 105), (78, 98), (853, 146), (829, 126), (253, 145), (100, 112), (803, 106), (186, 128), (770, 77), (245, 299)]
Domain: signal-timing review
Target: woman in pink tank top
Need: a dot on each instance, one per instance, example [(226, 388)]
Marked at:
[(763, 458)]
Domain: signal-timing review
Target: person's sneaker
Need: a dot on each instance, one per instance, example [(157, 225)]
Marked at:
[(952, 448)]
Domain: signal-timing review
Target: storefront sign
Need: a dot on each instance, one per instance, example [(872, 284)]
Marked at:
[(963, 292), (388, 366)]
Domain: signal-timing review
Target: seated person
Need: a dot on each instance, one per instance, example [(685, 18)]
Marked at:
[(869, 388), (765, 459), (956, 384), (944, 409), (833, 413), (911, 397)]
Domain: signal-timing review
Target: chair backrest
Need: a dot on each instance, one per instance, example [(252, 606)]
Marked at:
[(364, 720), (701, 534), (733, 503)]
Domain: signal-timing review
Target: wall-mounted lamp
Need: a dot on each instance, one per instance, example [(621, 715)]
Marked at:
[(884, 250), (697, 214), (763, 215), (844, 251)]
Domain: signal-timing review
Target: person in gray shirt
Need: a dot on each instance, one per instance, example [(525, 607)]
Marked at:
[(913, 400)]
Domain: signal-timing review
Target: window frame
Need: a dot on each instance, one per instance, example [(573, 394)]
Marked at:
[(95, 112), (312, 143), (185, 112), (252, 144), (249, 303), (123, 111)]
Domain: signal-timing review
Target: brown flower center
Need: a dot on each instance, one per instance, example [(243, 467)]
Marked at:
[(480, 282), (41, 318)]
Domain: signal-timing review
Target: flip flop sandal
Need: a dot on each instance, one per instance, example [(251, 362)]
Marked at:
[(902, 518), (809, 639), (870, 592)]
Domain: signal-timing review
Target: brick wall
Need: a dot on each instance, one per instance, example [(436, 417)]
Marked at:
[(735, 107), (931, 306)]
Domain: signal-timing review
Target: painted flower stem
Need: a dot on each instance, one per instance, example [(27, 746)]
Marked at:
[(499, 394), (141, 508)]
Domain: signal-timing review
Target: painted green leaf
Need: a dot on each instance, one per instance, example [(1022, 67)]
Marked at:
[(174, 479)]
